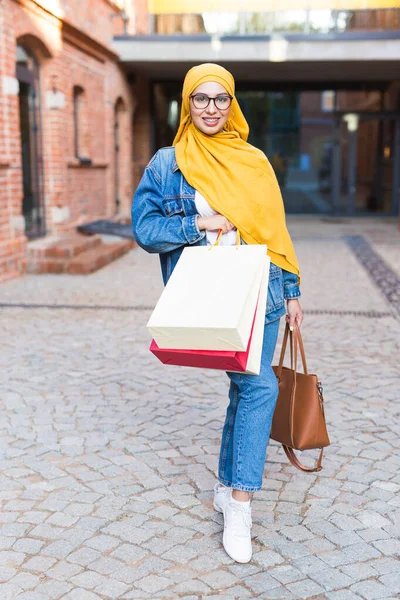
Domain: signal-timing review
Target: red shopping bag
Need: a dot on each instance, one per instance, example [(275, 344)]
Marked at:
[(226, 360)]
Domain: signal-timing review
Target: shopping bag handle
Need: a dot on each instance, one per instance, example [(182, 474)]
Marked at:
[(217, 241)]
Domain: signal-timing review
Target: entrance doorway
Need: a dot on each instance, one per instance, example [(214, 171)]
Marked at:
[(33, 209), (366, 163), (327, 161)]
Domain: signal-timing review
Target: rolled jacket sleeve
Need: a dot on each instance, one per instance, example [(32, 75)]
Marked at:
[(191, 230), (291, 289)]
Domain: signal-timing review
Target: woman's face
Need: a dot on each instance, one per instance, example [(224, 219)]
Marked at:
[(210, 120)]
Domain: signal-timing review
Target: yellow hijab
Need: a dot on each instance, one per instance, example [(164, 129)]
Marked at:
[(234, 177)]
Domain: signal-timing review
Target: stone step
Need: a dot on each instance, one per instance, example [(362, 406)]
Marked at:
[(12, 255), (98, 257), (83, 263), (64, 246)]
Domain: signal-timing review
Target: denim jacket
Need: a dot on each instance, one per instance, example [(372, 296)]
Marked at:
[(164, 221)]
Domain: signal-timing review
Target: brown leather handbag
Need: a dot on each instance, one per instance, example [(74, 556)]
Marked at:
[(299, 418)]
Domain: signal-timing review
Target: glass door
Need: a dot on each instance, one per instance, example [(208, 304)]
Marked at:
[(367, 164)]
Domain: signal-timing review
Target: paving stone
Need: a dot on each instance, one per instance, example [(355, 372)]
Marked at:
[(59, 549), (385, 565), (237, 591), (193, 586), (391, 581), (13, 529), (88, 579), (219, 579), (106, 565), (360, 571), (9, 558), (331, 579), (39, 564), (30, 596), (129, 552), (102, 543), (267, 558), (63, 571), (6, 542), (53, 589), (305, 589), (157, 545), (360, 552), (112, 588), (309, 564), (260, 583), (388, 547), (371, 590), (109, 458), (342, 595), (297, 534), (28, 545), (153, 583), (25, 581), (81, 594), (286, 574), (6, 573), (9, 591), (83, 556)]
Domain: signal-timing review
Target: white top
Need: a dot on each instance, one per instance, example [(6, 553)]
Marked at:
[(205, 210)]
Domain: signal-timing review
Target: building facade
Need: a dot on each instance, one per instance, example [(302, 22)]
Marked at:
[(67, 149), (318, 84), (89, 90)]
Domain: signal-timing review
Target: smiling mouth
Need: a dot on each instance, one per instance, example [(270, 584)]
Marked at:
[(211, 121)]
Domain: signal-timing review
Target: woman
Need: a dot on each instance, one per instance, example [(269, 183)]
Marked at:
[(211, 180)]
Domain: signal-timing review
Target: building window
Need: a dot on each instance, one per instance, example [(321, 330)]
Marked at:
[(33, 206), (80, 126)]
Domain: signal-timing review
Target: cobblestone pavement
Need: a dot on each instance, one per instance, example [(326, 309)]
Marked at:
[(108, 458)]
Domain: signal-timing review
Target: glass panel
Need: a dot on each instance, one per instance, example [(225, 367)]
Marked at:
[(296, 135), (167, 108), (296, 130), (367, 164), (285, 21)]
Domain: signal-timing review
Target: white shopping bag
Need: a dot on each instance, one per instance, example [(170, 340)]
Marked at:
[(256, 344), (210, 299)]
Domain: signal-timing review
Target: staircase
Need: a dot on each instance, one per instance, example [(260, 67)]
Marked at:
[(74, 253)]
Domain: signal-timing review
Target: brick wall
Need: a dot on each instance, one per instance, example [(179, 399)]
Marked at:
[(71, 41)]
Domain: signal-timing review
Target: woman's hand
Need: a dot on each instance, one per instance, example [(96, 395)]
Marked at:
[(294, 313), (215, 223)]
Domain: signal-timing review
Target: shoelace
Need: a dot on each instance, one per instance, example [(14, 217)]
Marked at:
[(245, 513)]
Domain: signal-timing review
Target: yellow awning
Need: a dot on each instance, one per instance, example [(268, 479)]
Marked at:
[(196, 7)]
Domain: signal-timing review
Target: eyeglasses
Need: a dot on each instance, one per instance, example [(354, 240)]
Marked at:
[(201, 101)]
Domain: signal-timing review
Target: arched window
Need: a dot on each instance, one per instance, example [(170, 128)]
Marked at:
[(80, 125)]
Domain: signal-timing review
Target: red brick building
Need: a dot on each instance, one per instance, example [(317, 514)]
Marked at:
[(66, 116)]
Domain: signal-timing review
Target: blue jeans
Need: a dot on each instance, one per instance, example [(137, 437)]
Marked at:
[(248, 421)]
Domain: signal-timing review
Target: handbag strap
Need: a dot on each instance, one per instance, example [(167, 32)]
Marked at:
[(296, 463), (299, 343), (295, 342)]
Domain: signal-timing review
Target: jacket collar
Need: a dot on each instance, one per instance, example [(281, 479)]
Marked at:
[(174, 166)]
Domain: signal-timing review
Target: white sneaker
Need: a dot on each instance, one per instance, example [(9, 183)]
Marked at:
[(237, 531), (222, 495)]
